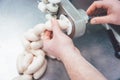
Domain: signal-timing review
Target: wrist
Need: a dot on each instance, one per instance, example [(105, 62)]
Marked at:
[(69, 53)]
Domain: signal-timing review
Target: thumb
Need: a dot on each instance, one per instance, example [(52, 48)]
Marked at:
[(55, 26), (101, 20)]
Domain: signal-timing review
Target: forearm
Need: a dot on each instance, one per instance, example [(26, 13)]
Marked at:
[(78, 68)]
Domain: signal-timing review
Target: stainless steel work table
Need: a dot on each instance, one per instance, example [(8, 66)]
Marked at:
[(17, 16)]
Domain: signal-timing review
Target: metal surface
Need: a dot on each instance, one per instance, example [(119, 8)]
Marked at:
[(17, 16)]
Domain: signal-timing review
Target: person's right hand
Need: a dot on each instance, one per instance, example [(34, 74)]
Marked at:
[(113, 12)]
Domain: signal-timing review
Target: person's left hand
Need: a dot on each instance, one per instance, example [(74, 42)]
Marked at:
[(56, 43)]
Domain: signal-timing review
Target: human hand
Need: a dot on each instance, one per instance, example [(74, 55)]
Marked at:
[(113, 12), (56, 43)]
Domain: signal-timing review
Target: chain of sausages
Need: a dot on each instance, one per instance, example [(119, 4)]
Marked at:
[(32, 63)]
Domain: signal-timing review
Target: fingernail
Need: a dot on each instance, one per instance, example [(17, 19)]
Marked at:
[(93, 21), (44, 38)]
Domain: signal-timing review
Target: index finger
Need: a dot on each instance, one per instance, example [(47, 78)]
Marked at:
[(47, 35), (95, 5)]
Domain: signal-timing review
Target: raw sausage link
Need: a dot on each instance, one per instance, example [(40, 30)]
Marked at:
[(32, 63)]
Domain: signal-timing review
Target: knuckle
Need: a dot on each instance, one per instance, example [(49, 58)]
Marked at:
[(95, 2)]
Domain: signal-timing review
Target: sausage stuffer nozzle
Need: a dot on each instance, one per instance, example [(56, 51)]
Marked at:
[(78, 18)]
